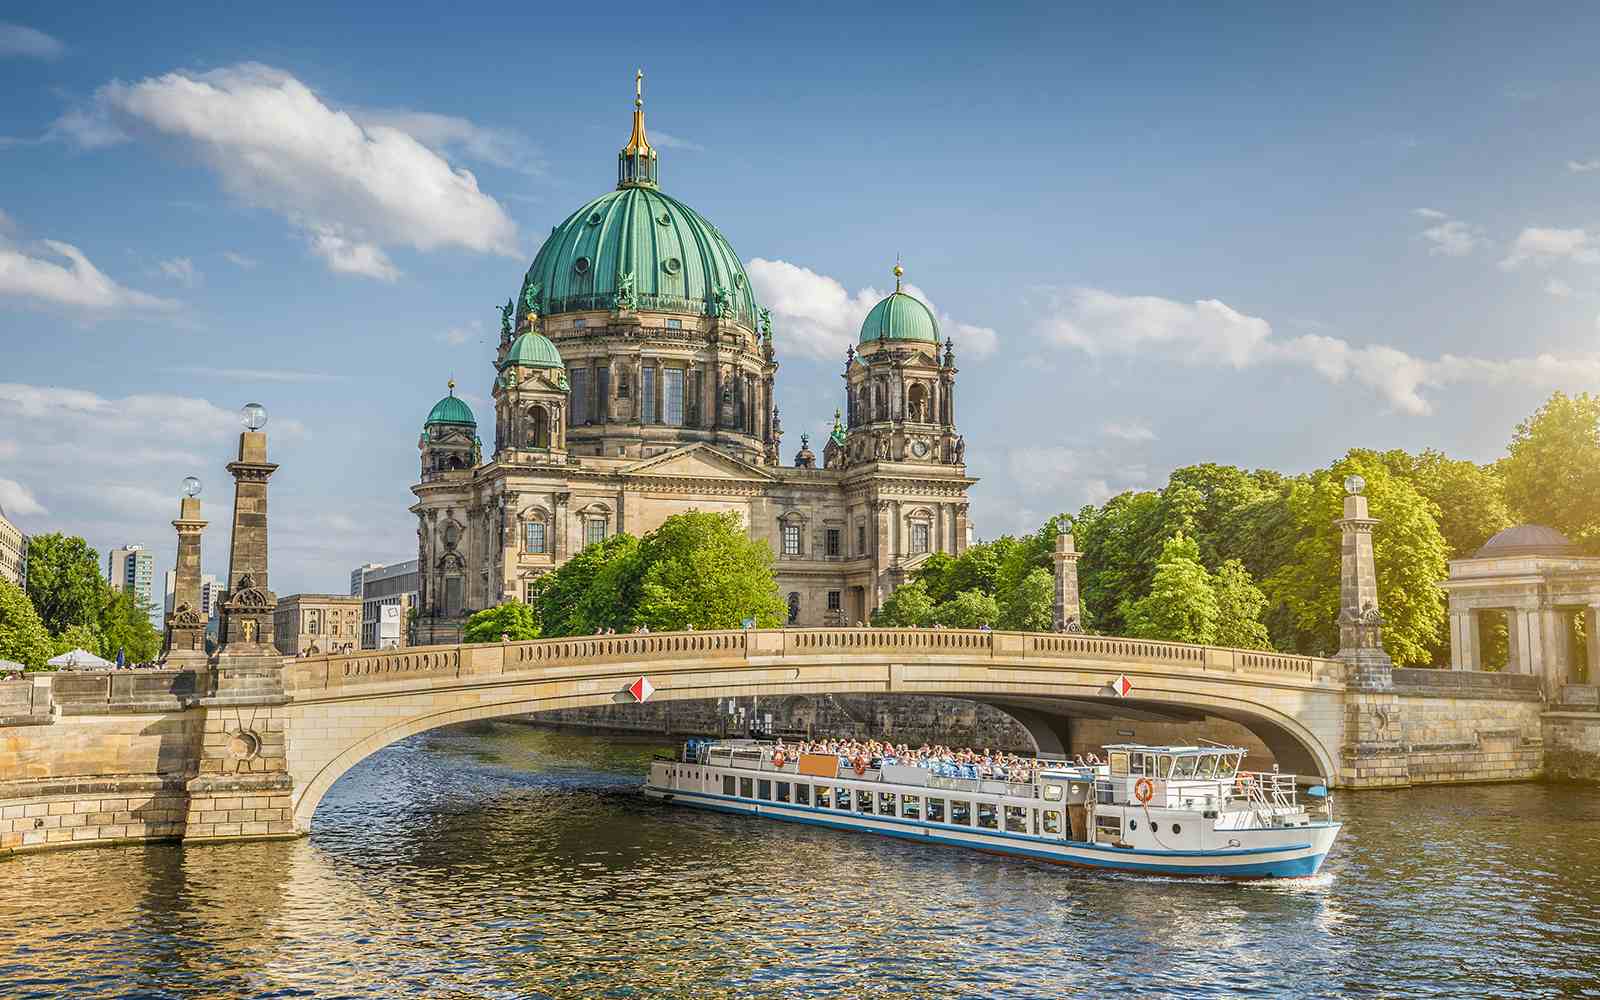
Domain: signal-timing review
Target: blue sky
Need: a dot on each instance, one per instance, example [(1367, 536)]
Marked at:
[(1250, 235)]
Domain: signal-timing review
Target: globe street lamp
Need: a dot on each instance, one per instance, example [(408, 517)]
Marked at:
[(191, 486), (1354, 484), (253, 416)]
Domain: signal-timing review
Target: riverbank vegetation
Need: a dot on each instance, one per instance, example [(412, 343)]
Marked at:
[(69, 605)]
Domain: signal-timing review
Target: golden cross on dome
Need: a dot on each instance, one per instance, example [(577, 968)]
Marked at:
[(638, 89), (451, 385), (898, 271)]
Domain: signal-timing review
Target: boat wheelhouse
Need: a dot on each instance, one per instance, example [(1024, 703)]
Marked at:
[(1158, 809)]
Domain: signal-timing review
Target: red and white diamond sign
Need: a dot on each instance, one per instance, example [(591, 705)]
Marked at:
[(641, 689), (1121, 686)]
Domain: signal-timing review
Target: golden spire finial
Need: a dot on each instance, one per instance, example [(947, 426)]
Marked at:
[(451, 385), (898, 272)]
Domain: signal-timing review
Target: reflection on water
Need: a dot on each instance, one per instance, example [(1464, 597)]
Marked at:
[(504, 861)]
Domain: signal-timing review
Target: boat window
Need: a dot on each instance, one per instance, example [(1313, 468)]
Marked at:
[(1208, 766), (886, 804), (783, 791), (911, 806), (746, 788), (1016, 819), (1176, 829), (863, 801), (1052, 793), (988, 818), (1184, 766), (802, 794), (1052, 823), (935, 810), (764, 789), (1138, 764), (727, 784), (960, 812), (1107, 827), (824, 797), (1133, 824), (841, 798), (1164, 766), (1234, 762), (1119, 763)]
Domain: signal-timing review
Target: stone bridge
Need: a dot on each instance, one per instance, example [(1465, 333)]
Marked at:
[(199, 755)]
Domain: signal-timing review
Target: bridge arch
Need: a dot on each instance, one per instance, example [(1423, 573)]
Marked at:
[(345, 708)]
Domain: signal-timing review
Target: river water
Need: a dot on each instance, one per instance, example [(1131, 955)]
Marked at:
[(506, 861)]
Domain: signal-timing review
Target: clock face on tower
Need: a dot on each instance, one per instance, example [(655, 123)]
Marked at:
[(920, 449)]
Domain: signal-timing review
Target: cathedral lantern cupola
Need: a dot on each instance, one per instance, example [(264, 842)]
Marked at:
[(530, 396), (638, 164), (449, 441), (901, 392)]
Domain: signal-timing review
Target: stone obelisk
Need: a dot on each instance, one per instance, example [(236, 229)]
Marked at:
[(248, 665), (1360, 622), (1067, 616), (186, 625)]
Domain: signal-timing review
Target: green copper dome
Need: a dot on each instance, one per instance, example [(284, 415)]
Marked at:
[(900, 317), (637, 248), (533, 350), (450, 410)]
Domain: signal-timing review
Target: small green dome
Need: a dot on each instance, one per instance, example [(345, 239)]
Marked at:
[(900, 317), (673, 259), (451, 410), (533, 350)]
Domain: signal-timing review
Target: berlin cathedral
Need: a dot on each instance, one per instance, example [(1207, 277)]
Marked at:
[(634, 380)]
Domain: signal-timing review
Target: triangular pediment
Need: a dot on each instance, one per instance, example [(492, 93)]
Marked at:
[(696, 461)]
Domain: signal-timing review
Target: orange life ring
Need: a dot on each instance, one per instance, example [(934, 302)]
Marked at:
[(1144, 790), (778, 760), (860, 764)]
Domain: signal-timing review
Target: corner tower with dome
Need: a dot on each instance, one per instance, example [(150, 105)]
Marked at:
[(634, 380)]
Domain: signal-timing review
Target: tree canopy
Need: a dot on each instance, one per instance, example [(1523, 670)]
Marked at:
[(513, 620), (1552, 467), (64, 581), (23, 637)]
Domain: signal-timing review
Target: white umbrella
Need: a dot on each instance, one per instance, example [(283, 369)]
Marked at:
[(78, 659)]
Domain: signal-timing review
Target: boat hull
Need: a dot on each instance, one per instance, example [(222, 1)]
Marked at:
[(1297, 857)]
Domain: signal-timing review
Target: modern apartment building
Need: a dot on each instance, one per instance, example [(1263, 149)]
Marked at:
[(392, 586), (132, 567)]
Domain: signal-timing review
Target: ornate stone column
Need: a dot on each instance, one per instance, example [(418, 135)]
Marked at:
[(186, 625), (248, 664), (1067, 616), (1516, 641), (1360, 621), (1591, 632)]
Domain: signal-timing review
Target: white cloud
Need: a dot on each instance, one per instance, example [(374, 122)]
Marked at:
[(458, 335), (1209, 332), (77, 283), (16, 501), (451, 135), (815, 316), (31, 43), (666, 140), (354, 190), (1133, 431), (8, 225), (1451, 237), (259, 374), (1071, 477), (1583, 166), (1560, 289), (240, 260), (181, 270), (1543, 245)]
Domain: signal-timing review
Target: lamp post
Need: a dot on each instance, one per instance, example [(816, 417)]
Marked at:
[(185, 644)]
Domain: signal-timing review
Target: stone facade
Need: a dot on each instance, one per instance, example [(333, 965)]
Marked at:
[(308, 624), (13, 552), (1572, 735)]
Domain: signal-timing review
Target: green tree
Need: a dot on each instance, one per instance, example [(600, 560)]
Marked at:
[(702, 570), (76, 637), (968, 609), (1121, 545), (513, 619), (557, 603), (1552, 469), (64, 581), (124, 625), (1409, 551), (1239, 606), (1181, 605), (1030, 605), (23, 637), (908, 606)]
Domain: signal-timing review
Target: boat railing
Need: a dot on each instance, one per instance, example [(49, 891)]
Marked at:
[(1266, 792)]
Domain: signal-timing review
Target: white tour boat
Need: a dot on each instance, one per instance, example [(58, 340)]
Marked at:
[(1152, 809)]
